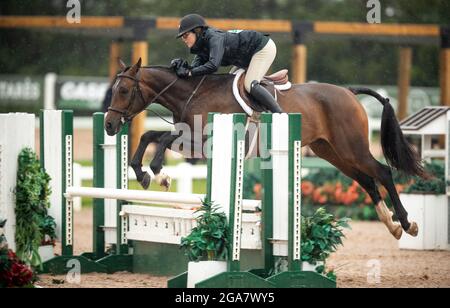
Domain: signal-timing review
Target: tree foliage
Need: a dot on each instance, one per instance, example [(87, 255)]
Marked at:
[(336, 60)]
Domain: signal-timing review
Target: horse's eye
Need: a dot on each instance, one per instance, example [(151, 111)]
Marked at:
[(123, 91)]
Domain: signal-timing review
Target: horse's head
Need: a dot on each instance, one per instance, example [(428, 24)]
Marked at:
[(127, 99)]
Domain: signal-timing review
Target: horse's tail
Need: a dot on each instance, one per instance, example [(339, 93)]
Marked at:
[(398, 151)]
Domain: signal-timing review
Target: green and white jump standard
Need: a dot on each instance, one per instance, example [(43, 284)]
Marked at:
[(56, 136), (280, 149)]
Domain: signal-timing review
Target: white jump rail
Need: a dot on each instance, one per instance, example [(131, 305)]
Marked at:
[(156, 197)]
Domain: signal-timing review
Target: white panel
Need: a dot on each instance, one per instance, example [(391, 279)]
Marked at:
[(221, 164), (110, 169), (77, 181), (53, 149), (442, 225), (17, 132), (430, 212), (162, 225), (436, 127), (280, 149), (3, 169)]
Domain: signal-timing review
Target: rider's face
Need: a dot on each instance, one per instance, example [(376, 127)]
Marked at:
[(189, 39)]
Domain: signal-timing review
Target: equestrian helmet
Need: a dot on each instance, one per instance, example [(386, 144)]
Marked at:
[(189, 23)]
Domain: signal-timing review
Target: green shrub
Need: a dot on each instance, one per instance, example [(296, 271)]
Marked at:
[(208, 241), (321, 235), (435, 185), (32, 194)]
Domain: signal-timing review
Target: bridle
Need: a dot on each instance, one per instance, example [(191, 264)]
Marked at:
[(126, 116)]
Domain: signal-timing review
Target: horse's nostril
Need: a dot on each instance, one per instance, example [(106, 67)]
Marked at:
[(108, 125)]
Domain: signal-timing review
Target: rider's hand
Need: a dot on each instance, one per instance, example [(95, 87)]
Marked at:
[(178, 63), (183, 72)]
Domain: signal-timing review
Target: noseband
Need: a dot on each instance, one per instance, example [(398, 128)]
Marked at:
[(126, 116)]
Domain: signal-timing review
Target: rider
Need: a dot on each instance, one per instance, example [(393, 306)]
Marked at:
[(213, 48)]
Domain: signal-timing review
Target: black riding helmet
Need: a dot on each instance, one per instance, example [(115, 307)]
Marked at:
[(189, 23)]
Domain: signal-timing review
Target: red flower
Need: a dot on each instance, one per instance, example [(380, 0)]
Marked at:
[(307, 188), (15, 273)]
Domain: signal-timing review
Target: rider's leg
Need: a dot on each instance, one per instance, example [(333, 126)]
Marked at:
[(259, 65)]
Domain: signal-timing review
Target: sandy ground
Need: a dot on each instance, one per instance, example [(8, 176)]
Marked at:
[(369, 258)]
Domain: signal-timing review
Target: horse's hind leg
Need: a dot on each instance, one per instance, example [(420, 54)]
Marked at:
[(383, 174), (359, 157), (324, 150)]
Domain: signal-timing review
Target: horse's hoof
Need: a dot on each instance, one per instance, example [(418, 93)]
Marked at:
[(396, 231), (164, 180), (145, 182), (413, 229)]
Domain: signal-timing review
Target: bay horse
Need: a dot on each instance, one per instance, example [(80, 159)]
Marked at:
[(334, 125)]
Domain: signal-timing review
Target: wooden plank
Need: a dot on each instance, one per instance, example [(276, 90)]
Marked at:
[(114, 55), (445, 76), (404, 77), (230, 24), (299, 63), (376, 29), (140, 50), (59, 21)]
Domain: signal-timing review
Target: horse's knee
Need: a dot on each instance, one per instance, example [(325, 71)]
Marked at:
[(156, 166), (385, 174), (149, 136), (135, 164)]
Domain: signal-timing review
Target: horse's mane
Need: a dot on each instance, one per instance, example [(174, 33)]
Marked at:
[(211, 77), (160, 67), (171, 70)]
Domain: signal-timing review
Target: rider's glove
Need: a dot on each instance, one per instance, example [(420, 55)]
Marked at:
[(177, 63), (183, 72)]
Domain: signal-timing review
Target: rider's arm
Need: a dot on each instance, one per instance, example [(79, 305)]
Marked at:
[(198, 61), (216, 50)]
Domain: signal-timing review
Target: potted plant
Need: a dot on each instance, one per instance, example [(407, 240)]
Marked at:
[(425, 200), (33, 225), (47, 227), (321, 235), (207, 245)]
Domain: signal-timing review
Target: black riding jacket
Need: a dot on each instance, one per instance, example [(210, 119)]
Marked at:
[(215, 48)]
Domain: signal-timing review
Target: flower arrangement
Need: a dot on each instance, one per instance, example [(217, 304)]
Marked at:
[(13, 272)]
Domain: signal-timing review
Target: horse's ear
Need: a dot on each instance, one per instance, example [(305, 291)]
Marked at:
[(135, 68), (138, 64), (121, 64)]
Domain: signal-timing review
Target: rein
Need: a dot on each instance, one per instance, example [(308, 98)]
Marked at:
[(126, 117), (185, 105)]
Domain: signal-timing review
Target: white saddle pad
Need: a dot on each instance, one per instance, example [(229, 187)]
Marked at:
[(240, 100)]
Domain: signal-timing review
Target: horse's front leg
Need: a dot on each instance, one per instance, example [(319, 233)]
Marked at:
[(156, 165), (136, 163)]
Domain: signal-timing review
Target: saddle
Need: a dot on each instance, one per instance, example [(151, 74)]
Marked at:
[(274, 83), (278, 78)]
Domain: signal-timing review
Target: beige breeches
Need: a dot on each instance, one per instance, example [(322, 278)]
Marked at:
[(260, 64)]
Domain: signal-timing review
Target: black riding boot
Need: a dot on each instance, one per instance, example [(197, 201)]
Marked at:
[(264, 97)]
